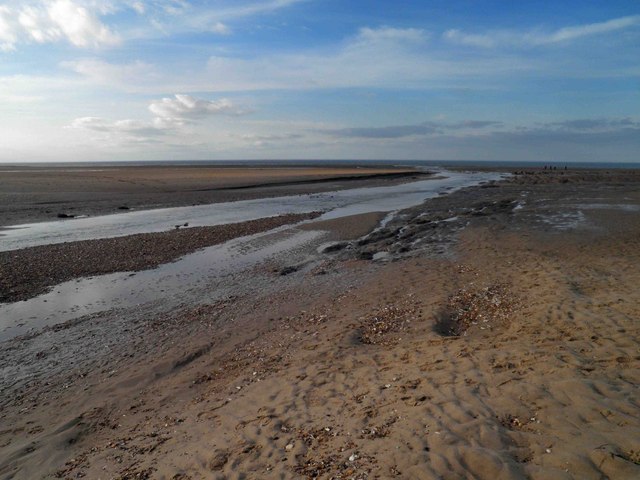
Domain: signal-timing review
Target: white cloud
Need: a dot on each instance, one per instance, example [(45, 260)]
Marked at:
[(38, 26), (52, 21), (171, 114), (183, 108), (79, 26), (220, 28), (502, 38), (8, 29), (138, 7)]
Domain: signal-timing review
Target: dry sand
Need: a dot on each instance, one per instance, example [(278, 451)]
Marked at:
[(348, 369)]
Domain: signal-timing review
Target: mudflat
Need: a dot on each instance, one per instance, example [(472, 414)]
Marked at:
[(491, 333), (34, 194)]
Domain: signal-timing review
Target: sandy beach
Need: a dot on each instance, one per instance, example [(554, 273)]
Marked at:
[(488, 333)]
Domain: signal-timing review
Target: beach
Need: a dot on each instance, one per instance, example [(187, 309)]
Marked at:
[(40, 193), (488, 332)]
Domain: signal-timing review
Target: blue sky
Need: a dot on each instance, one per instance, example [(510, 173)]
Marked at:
[(85, 80)]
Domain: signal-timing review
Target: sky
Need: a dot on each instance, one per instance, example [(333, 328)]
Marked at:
[(107, 80)]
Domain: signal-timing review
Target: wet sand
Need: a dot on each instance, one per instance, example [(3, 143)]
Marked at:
[(495, 336), (350, 227), (37, 194)]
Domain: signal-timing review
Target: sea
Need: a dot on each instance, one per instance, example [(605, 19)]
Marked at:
[(513, 164)]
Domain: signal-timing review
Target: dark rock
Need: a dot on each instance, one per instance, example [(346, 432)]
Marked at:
[(336, 247), (289, 270), (219, 460)]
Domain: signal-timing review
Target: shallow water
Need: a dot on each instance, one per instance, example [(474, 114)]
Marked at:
[(215, 269), (338, 204)]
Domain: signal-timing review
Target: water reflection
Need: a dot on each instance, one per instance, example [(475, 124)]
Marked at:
[(213, 270)]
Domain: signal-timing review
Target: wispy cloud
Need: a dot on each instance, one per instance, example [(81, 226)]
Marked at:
[(124, 76), (374, 57), (401, 131), (82, 22), (267, 140), (120, 131), (510, 38), (586, 139), (590, 143), (402, 58), (368, 35), (570, 33), (397, 131), (244, 9), (271, 138), (182, 16), (591, 124), (472, 124)]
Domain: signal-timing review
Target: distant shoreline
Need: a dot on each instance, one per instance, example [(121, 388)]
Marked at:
[(30, 195), (355, 163)]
